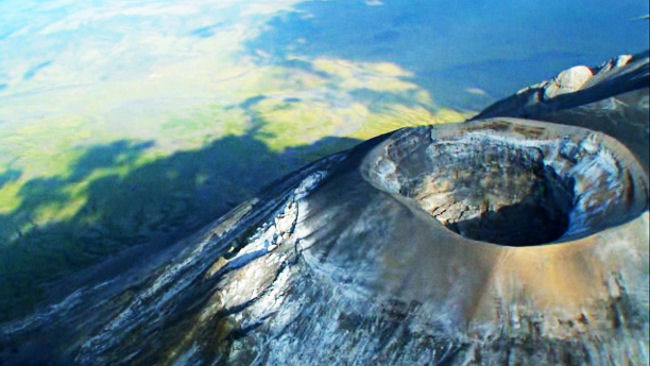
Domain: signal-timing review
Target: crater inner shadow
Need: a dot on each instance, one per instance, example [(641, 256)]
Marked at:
[(155, 203), (508, 198)]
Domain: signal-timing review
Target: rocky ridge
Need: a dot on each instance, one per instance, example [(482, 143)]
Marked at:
[(611, 98)]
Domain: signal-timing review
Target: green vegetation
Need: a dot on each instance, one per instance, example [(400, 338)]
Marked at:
[(74, 189), (90, 166)]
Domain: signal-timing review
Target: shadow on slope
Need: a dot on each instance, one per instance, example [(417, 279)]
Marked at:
[(157, 202)]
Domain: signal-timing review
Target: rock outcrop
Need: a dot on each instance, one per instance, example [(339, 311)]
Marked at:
[(500, 240), (612, 98)]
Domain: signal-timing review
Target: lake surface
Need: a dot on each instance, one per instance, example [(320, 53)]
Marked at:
[(125, 123)]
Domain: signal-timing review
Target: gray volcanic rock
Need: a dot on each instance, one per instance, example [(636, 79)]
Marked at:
[(370, 256), (613, 98), (495, 241), (624, 116), (575, 87)]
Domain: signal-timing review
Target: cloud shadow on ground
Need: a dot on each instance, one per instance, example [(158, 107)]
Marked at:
[(160, 202)]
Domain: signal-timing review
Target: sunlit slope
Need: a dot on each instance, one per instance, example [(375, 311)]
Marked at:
[(93, 163)]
